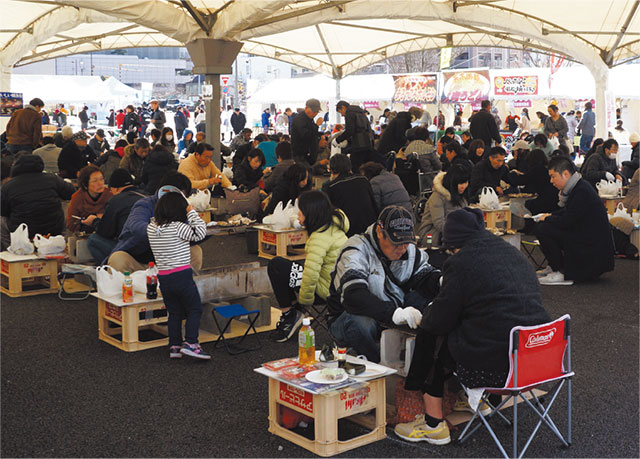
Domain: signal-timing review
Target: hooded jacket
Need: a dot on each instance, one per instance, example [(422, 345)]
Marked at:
[(132, 162), (388, 190), (353, 195), (33, 197), (108, 162), (156, 165), (25, 127), (183, 144), (438, 207), (72, 159)]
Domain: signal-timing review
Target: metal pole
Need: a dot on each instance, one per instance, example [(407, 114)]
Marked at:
[(212, 120), (236, 100), (438, 106)]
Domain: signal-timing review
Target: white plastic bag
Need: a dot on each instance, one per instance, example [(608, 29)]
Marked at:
[(109, 281), (20, 243), (283, 217), (489, 199), (607, 188), (139, 279), (555, 142), (201, 201), (621, 212), (54, 244)]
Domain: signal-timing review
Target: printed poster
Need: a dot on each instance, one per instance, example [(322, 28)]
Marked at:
[(515, 85), (466, 86), (10, 102), (421, 89)]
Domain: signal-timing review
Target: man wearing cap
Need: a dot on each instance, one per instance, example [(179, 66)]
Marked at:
[(99, 144), (24, 128), (381, 277), (157, 116), (488, 287), (116, 212), (629, 167), (75, 154), (304, 134), (519, 161)]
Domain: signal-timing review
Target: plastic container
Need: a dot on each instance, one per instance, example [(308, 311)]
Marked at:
[(306, 343), (152, 281), (127, 288)]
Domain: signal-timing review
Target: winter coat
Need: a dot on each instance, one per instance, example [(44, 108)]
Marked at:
[(388, 190), (597, 165), (133, 237), (131, 122), (322, 250), (72, 159), (269, 150), (357, 131), (394, 136), (238, 121), (629, 167), (183, 144), (33, 197), (438, 207), (159, 119), (304, 138), (82, 205), (265, 119), (111, 119), (427, 156), (119, 120), (483, 174), (587, 123), (117, 211), (244, 174), (108, 162), (84, 118), (181, 121), (199, 175), (537, 181), (560, 127), (277, 172), (132, 162), (483, 126), (25, 127), (632, 197), (587, 242), (353, 195), (99, 147), (500, 291), (156, 165), (49, 154)]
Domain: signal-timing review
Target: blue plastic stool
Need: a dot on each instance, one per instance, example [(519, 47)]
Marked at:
[(237, 312)]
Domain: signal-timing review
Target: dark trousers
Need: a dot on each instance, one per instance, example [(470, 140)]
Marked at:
[(431, 364), (285, 277), (551, 243), (182, 300)]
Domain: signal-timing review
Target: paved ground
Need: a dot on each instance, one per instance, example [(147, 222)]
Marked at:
[(66, 394)]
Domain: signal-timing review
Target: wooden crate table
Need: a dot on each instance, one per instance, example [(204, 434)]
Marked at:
[(611, 203), (493, 217), (352, 399), (281, 240), (27, 275)]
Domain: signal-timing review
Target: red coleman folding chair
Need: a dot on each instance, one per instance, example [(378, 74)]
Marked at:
[(537, 355)]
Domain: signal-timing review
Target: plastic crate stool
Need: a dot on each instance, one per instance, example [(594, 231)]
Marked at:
[(537, 355), (237, 312), (69, 271), (529, 248)]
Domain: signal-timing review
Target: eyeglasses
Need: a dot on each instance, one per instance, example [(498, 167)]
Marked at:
[(97, 180)]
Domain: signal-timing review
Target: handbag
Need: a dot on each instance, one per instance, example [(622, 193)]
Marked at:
[(239, 202)]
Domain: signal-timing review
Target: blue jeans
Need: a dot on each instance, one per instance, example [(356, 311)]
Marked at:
[(359, 332), (100, 247), (182, 300), (585, 143)]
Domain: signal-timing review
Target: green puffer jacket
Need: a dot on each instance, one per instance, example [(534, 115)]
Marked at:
[(322, 249)]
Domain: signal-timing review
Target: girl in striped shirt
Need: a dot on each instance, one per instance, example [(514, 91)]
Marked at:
[(169, 237)]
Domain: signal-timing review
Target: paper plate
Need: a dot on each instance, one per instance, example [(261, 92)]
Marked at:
[(318, 378), (369, 373)]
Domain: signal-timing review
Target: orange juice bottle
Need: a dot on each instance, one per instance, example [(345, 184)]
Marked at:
[(306, 343), (127, 288)]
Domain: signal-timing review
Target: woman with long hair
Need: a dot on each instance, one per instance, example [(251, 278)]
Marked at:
[(167, 140), (476, 151), (293, 182)]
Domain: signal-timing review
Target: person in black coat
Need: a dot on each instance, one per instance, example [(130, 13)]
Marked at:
[(292, 184), (454, 155), (576, 239), (248, 173), (181, 122), (630, 167), (304, 134), (156, 165), (536, 180), (352, 194), (471, 325), (394, 137), (99, 143), (84, 118), (75, 154), (489, 172), (483, 126), (238, 121), (131, 121), (357, 132), (33, 197), (602, 164), (111, 119)]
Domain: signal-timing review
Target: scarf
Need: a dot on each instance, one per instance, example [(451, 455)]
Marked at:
[(563, 195)]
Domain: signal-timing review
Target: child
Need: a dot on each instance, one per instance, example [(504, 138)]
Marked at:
[(169, 237)]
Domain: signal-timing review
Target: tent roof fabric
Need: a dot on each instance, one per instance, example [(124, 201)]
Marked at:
[(333, 37)]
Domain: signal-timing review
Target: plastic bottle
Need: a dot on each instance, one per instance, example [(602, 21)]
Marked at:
[(152, 281), (636, 216), (306, 343), (429, 240), (127, 288)]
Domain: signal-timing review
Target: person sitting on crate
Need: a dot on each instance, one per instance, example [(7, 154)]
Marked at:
[(491, 171), (326, 226), (202, 172), (467, 329), (88, 203), (381, 277)]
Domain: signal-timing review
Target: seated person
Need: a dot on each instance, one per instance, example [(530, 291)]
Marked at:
[(243, 150), (489, 172), (631, 166), (99, 143), (32, 197), (520, 151), (622, 227), (476, 151), (134, 156), (420, 144), (200, 138), (380, 277), (449, 135), (536, 180), (156, 166), (387, 188), (155, 136), (243, 138), (466, 141), (185, 142), (602, 164), (202, 172), (541, 142), (291, 185), (49, 154), (449, 194), (62, 137), (326, 226), (248, 173), (350, 193), (108, 228), (285, 160), (576, 239), (268, 148), (453, 153), (133, 252), (88, 203), (167, 139), (467, 329), (75, 155), (109, 161)]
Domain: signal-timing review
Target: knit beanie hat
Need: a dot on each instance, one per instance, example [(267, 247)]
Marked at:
[(460, 225), (120, 178)]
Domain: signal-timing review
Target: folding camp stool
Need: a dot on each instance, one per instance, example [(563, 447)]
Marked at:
[(239, 313), (69, 271), (318, 310), (537, 355), (530, 248)]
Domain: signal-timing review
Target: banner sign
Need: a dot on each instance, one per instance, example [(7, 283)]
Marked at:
[(371, 104), (522, 104), (10, 102), (515, 85), (415, 88), (466, 87)]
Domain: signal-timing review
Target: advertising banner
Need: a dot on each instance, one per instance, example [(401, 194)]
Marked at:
[(371, 104), (10, 102), (515, 85), (415, 88), (522, 104), (466, 86)]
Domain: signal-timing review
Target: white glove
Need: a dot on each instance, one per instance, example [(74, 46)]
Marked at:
[(609, 176), (410, 316), (334, 143), (343, 144)]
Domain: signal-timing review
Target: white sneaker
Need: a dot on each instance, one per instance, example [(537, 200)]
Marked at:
[(555, 278), (544, 272)]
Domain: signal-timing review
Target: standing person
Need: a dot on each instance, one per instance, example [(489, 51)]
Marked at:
[(587, 127), (120, 119), (457, 120), (84, 118), (326, 228), (158, 119), (24, 128), (181, 122), (511, 123), (266, 120), (483, 126), (304, 134), (238, 121), (131, 121), (394, 137), (45, 117), (572, 124), (555, 125), (227, 128), (357, 132), (201, 118), (525, 121), (145, 118), (174, 225), (111, 118), (62, 116)]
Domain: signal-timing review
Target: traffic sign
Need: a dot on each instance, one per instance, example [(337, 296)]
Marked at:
[(224, 80)]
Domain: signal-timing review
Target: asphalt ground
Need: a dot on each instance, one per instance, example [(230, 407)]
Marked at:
[(67, 394)]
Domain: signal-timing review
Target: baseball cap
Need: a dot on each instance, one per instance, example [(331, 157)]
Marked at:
[(521, 145), (313, 104), (397, 224)]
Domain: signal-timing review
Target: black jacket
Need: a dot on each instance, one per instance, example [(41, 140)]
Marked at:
[(156, 165), (483, 174), (72, 159), (537, 181), (483, 126), (394, 136), (99, 147), (357, 131), (597, 165), (159, 119), (33, 198), (587, 241), (304, 138), (629, 167), (181, 121), (117, 211), (111, 119), (131, 122), (238, 121), (84, 118), (284, 192), (500, 291), (353, 194), (244, 174)]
